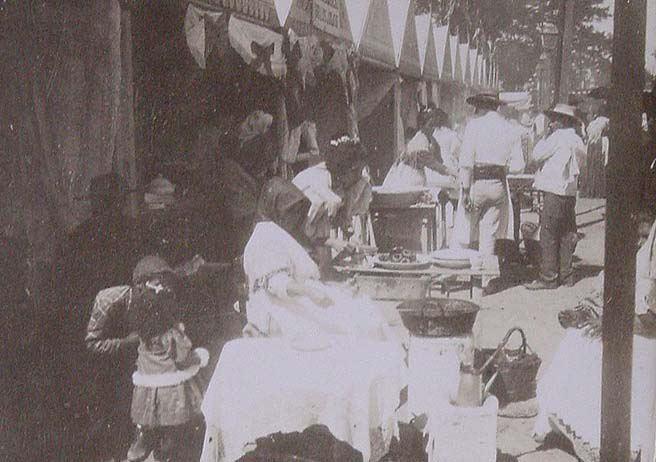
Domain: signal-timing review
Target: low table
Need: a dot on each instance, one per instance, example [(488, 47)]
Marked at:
[(440, 277), (264, 386)]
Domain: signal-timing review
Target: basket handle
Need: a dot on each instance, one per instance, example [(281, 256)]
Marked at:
[(502, 345), (506, 339)]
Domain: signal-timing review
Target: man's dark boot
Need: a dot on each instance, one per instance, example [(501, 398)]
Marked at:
[(141, 447)]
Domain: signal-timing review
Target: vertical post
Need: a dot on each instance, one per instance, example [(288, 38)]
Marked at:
[(566, 19), (623, 196), (399, 137)]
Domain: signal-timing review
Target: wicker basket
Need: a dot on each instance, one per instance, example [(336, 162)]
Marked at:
[(518, 370)]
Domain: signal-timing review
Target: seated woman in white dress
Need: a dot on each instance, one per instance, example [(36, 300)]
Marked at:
[(286, 297), (420, 164), (569, 393)]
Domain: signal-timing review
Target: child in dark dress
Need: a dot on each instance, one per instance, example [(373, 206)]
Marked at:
[(167, 394)]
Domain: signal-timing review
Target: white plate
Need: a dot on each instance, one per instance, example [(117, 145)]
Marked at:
[(454, 254)]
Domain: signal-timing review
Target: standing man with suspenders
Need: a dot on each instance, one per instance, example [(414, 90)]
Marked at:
[(491, 148)]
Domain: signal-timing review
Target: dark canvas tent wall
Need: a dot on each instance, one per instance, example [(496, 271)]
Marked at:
[(67, 77)]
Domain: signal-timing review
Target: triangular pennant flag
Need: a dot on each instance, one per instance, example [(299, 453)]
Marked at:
[(357, 15), (423, 23), (283, 7), (455, 58), (376, 42), (473, 53), (441, 34), (463, 51), (409, 63), (398, 12)]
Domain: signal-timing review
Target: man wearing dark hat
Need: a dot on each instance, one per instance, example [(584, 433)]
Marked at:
[(559, 156), (491, 148)]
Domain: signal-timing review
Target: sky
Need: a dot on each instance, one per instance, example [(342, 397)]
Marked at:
[(607, 26)]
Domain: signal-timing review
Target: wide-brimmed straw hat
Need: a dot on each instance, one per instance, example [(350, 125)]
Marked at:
[(563, 110), (485, 99)]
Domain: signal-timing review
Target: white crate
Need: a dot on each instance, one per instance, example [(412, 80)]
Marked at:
[(463, 434), (434, 370)]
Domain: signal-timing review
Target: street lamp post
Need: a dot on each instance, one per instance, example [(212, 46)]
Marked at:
[(545, 69)]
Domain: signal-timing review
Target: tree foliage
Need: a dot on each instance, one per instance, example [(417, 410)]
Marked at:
[(513, 27)]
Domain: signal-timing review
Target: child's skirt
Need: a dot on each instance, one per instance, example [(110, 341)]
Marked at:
[(167, 406)]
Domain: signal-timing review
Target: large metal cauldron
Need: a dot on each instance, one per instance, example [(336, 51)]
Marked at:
[(438, 317)]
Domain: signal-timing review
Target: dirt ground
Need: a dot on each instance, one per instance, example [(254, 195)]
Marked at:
[(536, 313)]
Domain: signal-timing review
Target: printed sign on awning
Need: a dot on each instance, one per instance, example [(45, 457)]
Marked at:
[(326, 17)]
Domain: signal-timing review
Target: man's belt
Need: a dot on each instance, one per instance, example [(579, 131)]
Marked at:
[(489, 172)]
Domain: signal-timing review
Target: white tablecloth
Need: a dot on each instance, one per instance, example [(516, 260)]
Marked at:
[(264, 386)]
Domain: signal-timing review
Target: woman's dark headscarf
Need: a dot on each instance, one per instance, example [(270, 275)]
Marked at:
[(284, 204)]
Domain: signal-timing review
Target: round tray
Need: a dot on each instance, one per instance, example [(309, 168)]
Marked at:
[(390, 265), (453, 258)]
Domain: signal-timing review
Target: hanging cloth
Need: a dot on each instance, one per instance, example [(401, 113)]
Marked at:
[(198, 27), (261, 48)]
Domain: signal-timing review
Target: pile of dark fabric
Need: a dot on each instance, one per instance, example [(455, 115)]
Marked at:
[(317, 444), (314, 444)]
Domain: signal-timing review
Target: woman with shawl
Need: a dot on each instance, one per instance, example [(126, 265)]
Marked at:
[(286, 297)]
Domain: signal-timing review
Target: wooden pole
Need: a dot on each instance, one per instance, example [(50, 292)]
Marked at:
[(399, 138), (622, 201), (566, 19)]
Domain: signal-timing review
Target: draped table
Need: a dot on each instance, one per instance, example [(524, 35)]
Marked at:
[(265, 386)]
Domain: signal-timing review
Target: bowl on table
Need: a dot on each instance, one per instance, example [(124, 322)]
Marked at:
[(393, 199), (438, 317)]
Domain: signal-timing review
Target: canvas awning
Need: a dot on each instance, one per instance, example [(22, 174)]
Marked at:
[(376, 44)]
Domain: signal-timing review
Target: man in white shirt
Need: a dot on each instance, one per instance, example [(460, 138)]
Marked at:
[(491, 148), (559, 154)]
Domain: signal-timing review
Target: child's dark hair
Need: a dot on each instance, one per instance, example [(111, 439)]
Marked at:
[(155, 309), (344, 153)]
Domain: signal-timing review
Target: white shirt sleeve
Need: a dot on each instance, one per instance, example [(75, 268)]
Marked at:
[(544, 149), (468, 148), (517, 162)]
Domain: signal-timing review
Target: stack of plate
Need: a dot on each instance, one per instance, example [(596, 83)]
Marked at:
[(454, 258)]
